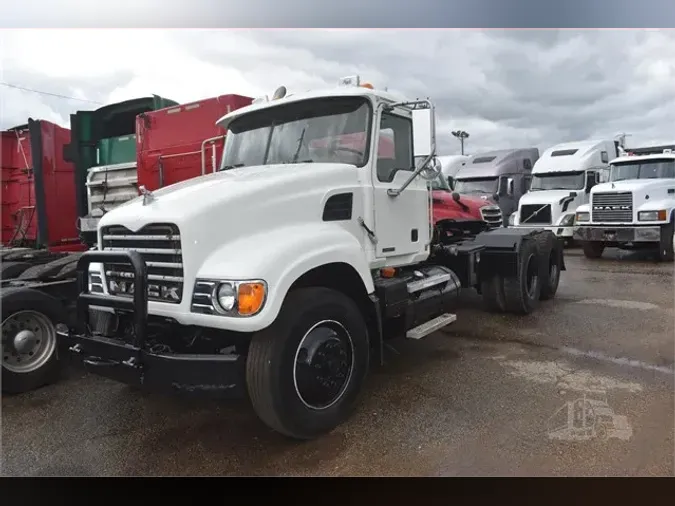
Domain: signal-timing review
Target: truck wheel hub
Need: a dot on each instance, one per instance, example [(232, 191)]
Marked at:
[(323, 365), (29, 341), (25, 341)]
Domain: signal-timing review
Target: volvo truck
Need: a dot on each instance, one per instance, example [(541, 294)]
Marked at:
[(562, 179), (503, 176), (281, 276), (635, 209)]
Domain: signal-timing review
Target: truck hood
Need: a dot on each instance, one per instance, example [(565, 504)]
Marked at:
[(547, 196), (473, 202), (239, 193), (632, 185)]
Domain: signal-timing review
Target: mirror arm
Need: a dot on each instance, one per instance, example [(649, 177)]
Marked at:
[(416, 104), (396, 192)]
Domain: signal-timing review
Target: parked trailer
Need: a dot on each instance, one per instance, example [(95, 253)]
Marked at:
[(38, 255), (297, 262), (103, 150)]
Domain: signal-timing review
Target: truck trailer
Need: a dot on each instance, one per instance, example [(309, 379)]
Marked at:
[(298, 258)]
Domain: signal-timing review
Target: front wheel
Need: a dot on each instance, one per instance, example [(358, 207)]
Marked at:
[(593, 249), (666, 244), (305, 371)]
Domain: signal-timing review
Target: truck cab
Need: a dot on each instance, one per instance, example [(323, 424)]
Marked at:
[(635, 208), (450, 165), (502, 175), (280, 276), (103, 151), (562, 179), (450, 205)]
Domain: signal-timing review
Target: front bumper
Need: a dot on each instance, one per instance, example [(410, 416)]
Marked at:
[(132, 362), (617, 234), (565, 232)]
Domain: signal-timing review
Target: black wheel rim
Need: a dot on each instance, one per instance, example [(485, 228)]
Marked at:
[(531, 276), (323, 364)]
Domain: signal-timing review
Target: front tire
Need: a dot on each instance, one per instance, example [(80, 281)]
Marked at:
[(305, 371), (29, 342), (593, 249), (666, 246)]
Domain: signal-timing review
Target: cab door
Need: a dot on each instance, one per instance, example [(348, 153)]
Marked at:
[(402, 222)]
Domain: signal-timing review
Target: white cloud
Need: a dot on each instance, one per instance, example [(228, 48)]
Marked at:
[(506, 88)]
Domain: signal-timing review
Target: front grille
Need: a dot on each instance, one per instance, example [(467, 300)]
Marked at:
[(612, 207), (492, 215), (539, 214), (160, 247)]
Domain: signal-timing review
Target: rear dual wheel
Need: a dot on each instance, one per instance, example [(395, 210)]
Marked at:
[(540, 264), (305, 371)]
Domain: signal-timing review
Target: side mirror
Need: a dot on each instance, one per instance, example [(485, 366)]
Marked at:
[(451, 182), (423, 130), (509, 187), (591, 181), (456, 196)]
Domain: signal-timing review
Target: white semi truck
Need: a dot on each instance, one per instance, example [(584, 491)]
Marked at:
[(562, 179), (281, 275), (635, 208)]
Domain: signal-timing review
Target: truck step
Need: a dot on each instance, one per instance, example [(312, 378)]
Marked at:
[(431, 326)]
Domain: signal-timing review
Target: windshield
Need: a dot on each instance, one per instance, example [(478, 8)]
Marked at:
[(441, 183), (558, 181), (482, 185), (328, 130), (646, 169)]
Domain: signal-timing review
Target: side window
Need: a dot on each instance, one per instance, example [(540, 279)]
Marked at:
[(527, 164), (394, 150), (527, 181), (604, 157)]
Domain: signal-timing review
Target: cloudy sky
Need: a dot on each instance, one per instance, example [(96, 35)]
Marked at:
[(507, 88)]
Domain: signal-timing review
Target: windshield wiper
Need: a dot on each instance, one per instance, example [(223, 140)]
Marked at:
[(297, 151), (228, 167)]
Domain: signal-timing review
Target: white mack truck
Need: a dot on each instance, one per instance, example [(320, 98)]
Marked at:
[(281, 275), (635, 208)]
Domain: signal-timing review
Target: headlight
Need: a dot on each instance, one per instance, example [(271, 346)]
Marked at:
[(229, 298), (652, 215), (583, 217), (226, 296), (567, 221)]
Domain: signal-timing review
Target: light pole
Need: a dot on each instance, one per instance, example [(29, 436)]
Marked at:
[(461, 135)]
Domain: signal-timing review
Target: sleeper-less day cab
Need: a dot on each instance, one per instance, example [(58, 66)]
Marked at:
[(635, 208), (281, 275)]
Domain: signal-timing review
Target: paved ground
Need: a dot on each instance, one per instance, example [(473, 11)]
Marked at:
[(487, 397)]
